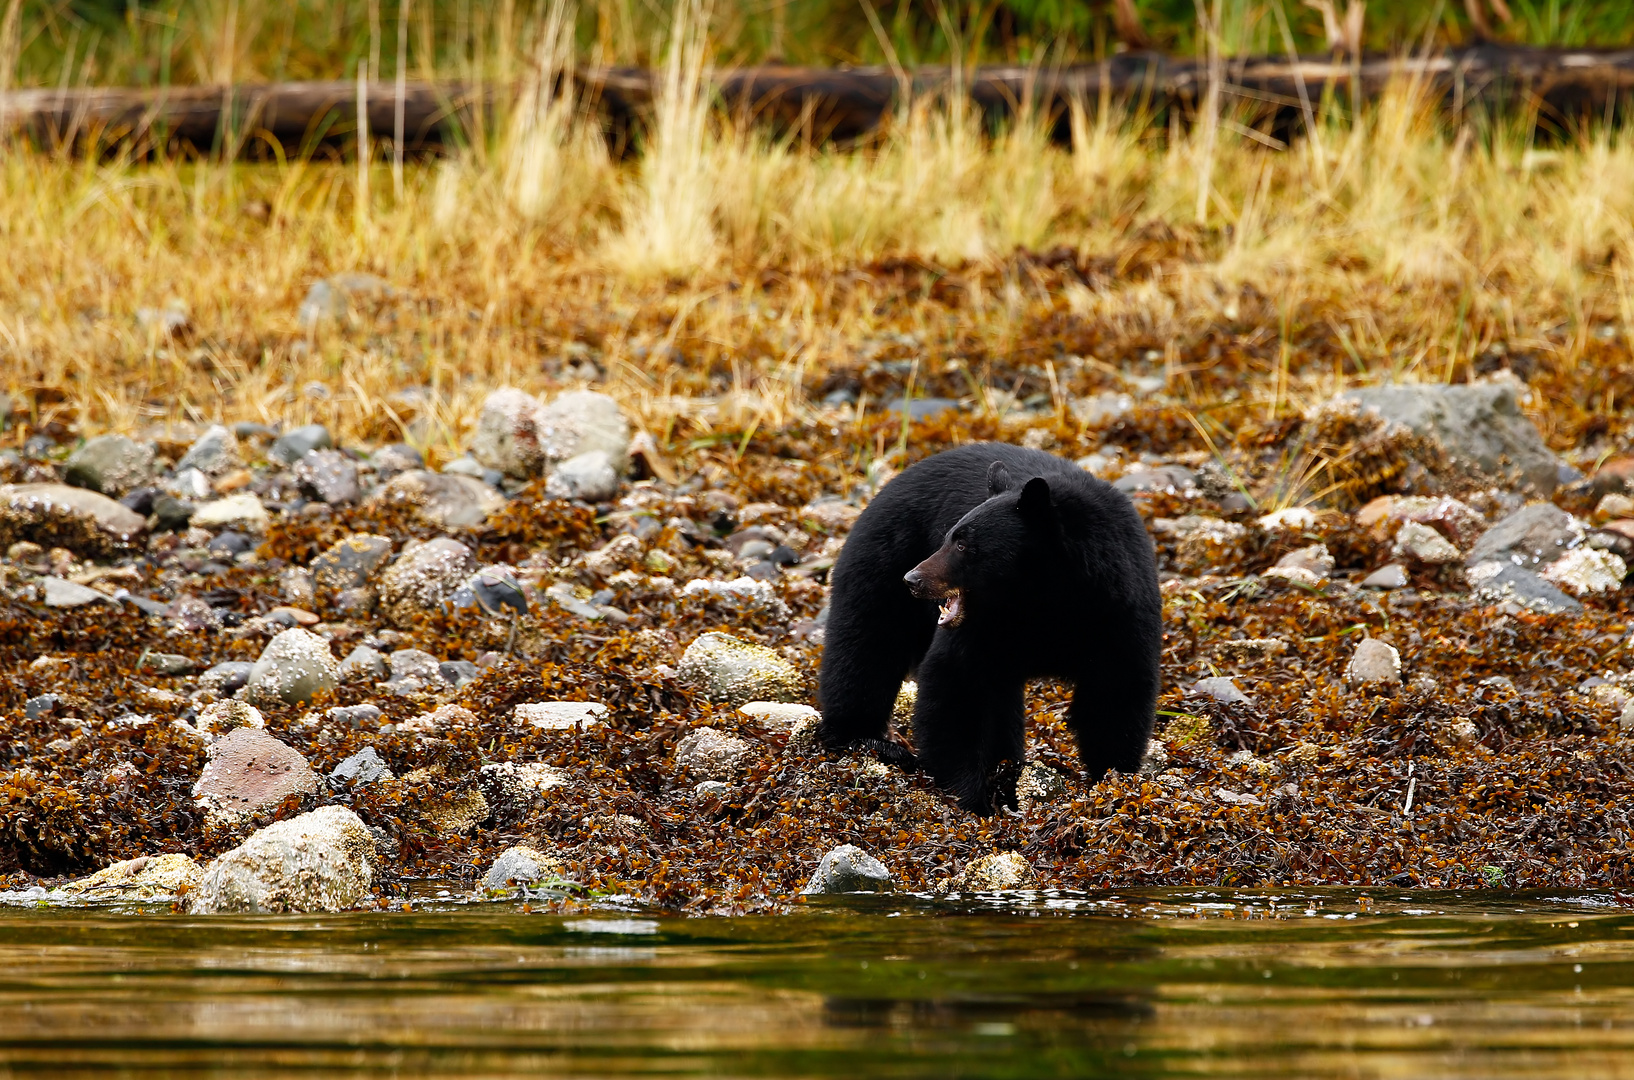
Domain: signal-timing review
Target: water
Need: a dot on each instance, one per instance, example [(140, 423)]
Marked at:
[(1155, 983)]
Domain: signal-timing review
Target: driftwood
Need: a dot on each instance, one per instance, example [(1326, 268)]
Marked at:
[(1560, 88)]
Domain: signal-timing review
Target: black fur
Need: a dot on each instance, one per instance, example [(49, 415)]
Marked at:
[(1057, 578)]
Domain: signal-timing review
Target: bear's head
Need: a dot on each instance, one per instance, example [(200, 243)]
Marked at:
[(991, 552)]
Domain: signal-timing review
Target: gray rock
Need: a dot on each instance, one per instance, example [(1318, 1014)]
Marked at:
[(189, 484), (1374, 663), (1506, 583), (30, 510), (227, 678), (1038, 785), (465, 466), (334, 298), (62, 593), (171, 514), (321, 861), (395, 458), (521, 437), (350, 563), (295, 665), (521, 865), (848, 869), (291, 447), (214, 453), (364, 664), (1314, 558), (708, 754), (364, 767), (353, 716), (446, 501), (249, 771), (1423, 544), (1221, 689), (457, 673), (589, 477), (1156, 478), (414, 671), (736, 672), (110, 464), (1530, 537), (424, 578), (563, 596), (330, 476), (495, 590), (1480, 424), (921, 408), (165, 663)]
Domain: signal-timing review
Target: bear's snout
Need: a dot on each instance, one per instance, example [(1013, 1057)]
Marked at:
[(915, 580), (929, 580)]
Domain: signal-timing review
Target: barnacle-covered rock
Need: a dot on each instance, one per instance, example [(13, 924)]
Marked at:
[(351, 562), (110, 464), (708, 754), (1038, 785), (452, 811), (249, 771), (588, 476), (996, 873), (522, 865), (148, 879), (1374, 663), (737, 672), (219, 717), (321, 861), (214, 453), (560, 715), (522, 437), (57, 515), (1583, 571), (423, 578), (1528, 538), (442, 500), (778, 715), (295, 665), (848, 869), (1504, 583)]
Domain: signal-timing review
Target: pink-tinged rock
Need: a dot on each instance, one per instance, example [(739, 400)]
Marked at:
[(249, 771)]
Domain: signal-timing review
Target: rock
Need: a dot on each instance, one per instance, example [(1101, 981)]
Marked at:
[(560, 715), (589, 477), (1221, 689), (333, 298), (1479, 424), (1288, 519), (1393, 576), (62, 593), (848, 869), (350, 563), (1423, 544), (1155, 760), (1100, 409), (1582, 571), (321, 861), (242, 511), (1457, 521), (457, 673), (830, 515), (916, 409), (465, 466), (297, 586), (522, 866), (708, 754), (996, 873), (59, 515), (1039, 785), (493, 589), (364, 664), (110, 464), (148, 879), (513, 782), (1614, 506), (171, 514), (451, 811), (1252, 650), (1506, 583), (225, 679), (563, 595), (736, 672), (778, 715), (521, 437), (1625, 722), (189, 484), (295, 665), (364, 767), (395, 458), (1314, 558), (1152, 479), (249, 771), (1374, 663), (289, 448), (214, 453), (745, 593), (329, 476), (1531, 536), (415, 672), (423, 578), (219, 717), (442, 500), (353, 716)]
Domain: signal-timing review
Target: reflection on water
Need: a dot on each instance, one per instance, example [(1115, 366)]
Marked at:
[(1145, 984)]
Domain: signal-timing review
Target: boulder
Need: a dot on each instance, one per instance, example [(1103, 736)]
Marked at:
[(848, 869), (110, 464), (1505, 583), (1583, 571), (423, 578), (214, 453), (588, 476), (996, 873), (249, 771), (291, 447), (707, 754), (737, 672), (147, 879), (1478, 424), (1374, 663), (329, 476), (57, 515), (351, 562), (1530, 537), (442, 500), (522, 437), (321, 861), (521, 865), (364, 767), (295, 664)]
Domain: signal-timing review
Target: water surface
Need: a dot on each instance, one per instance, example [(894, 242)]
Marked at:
[(1153, 983)]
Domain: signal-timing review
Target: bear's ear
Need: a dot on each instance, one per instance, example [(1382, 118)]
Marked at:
[(998, 479), (1035, 500)]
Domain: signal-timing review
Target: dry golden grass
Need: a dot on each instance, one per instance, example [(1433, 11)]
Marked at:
[(1413, 247)]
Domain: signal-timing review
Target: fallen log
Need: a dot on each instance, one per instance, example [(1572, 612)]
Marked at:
[(1557, 88)]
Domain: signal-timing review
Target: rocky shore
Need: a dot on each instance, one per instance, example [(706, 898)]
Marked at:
[(249, 669)]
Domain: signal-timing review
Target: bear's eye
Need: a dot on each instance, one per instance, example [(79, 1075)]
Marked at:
[(958, 545)]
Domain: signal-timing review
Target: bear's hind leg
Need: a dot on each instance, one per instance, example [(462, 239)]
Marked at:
[(1113, 705), (968, 723)]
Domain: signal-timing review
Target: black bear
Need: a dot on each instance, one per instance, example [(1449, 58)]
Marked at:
[(1041, 570)]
